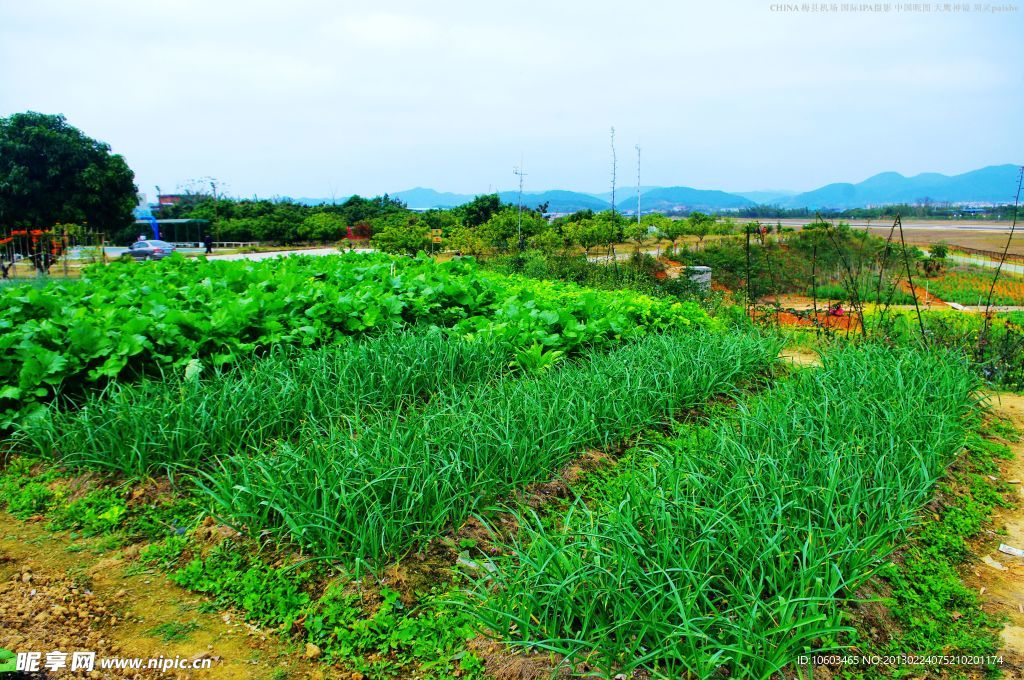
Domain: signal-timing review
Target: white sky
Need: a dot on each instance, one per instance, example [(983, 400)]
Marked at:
[(307, 98)]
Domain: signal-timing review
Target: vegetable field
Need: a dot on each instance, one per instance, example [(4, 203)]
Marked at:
[(123, 321), (425, 470), (971, 285)]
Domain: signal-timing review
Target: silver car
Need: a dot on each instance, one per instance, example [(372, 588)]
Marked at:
[(150, 250)]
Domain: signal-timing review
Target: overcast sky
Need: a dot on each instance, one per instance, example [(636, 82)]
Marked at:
[(332, 98)]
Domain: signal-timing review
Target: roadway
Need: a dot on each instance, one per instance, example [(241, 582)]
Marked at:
[(984, 226)]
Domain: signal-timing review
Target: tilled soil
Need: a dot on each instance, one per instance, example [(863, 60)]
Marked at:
[(67, 595)]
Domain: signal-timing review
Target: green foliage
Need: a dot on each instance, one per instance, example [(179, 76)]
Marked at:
[(281, 221), (31, 498), (26, 493), (638, 273), (700, 225), (388, 482), (865, 291), (996, 353), (825, 254), (166, 553), (174, 631), (322, 226), (970, 285), (65, 338), (400, 234), (393, 637), (50, 172), (637, 232), (733, 547), (97, 512), (603, 228), (105, 509), (271, 595), (479, 210), (466, 241), (665, 227), (185, 420), (384, 641), (501, 230)]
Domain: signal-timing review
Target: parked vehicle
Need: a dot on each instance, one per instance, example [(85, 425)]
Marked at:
[(150, 250)]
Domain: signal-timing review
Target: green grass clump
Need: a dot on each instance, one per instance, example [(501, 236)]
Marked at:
[(273, 596), (174, 631), (98, 512), (368, 490), (184, 420), (732, 547), (24, 493), (430, 635), (105, 509)]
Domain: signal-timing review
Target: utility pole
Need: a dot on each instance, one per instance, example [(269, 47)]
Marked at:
[(213, 186), (638, 184), (613, 170), (519, 171)]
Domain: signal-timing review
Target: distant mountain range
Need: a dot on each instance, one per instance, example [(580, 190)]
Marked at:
[(992, 184), (667, 199), (557, 200)]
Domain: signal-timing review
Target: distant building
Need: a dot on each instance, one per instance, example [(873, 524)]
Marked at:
[(169, 199)]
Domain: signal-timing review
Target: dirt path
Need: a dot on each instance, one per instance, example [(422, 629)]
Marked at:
[(800, 357), (1002, 575), (58, 593)]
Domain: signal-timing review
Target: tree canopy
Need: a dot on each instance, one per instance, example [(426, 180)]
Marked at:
[(51, 172)]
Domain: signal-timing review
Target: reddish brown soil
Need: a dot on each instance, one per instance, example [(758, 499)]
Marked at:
[(789, 318), (921, 293)]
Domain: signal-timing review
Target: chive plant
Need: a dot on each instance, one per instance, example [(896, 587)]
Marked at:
[(367, 490), (730, 548), (184, 421)]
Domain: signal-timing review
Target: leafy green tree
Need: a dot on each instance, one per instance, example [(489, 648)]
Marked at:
[(445, 220), (359, 209), (322, 226), (547, 240), (465, 240), (584, 233), (609, 226), (400, 234), (667, 228), (51, 172), (501, 231), (479, 210), (700, 225), (637, 232)]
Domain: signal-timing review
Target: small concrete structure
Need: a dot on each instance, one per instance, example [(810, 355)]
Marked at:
[(701, 276)]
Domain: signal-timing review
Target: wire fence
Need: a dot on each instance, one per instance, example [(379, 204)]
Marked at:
[(59, 251)]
